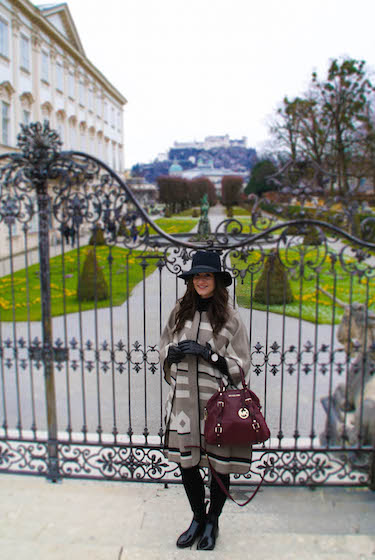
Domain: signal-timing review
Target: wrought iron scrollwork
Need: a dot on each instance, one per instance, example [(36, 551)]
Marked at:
[(67, 189)]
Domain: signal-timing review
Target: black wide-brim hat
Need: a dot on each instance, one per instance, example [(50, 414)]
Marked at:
[(207, 261)]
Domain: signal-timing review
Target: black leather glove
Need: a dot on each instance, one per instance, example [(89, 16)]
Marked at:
[(175, 355), (192, 347)]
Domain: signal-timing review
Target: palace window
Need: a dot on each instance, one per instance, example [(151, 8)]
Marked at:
[(91, 99), (25, 53), (73, 136), (99, 105), (59, 76), (83, 140), (91, 143), (71, 85), (4, 38), (5, 121), (26, 117), (45, 66), (60, 130), (82, 92)]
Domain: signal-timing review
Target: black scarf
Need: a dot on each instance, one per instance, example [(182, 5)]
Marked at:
[(204, 303)]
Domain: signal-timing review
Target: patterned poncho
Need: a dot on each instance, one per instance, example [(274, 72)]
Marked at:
[(193, 381)]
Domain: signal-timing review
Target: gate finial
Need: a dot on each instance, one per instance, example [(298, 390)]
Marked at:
[(38, 142)]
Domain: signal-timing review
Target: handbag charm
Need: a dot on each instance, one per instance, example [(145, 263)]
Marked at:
[(234, 417)]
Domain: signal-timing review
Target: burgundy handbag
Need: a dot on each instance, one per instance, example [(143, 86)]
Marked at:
[(233, 417)]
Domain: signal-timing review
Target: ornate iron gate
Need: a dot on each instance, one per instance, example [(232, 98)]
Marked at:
[(81, 388)]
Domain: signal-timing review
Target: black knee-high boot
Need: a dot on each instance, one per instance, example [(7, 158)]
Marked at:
[(217, 501), (194, 488)]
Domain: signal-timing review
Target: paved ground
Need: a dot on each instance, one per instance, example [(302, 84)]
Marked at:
[(88, 520)]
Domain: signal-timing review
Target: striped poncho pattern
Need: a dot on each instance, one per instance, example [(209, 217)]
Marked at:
[(193, 381)]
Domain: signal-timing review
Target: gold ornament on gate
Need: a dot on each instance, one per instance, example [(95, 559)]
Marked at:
[(243, 413)]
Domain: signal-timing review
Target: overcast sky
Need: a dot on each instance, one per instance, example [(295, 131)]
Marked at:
[(194, 68)]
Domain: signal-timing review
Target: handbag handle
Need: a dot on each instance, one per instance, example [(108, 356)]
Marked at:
[(244, 384)]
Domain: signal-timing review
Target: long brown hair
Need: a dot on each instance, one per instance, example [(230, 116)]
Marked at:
[(217, 311)]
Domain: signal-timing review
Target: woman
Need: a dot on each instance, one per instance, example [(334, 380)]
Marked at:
[(204, 342)]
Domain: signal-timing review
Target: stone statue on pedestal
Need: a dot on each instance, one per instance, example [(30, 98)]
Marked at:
[(204, 228)]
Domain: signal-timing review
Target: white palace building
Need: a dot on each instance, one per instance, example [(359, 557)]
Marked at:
[(45, 74)]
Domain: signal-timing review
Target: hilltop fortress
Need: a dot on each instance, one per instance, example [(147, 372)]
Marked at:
[(218, 155), (211, 142)]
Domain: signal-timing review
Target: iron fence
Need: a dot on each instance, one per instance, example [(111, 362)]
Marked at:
[(81, 388)]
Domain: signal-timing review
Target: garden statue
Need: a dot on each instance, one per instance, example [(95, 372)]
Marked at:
[(204, 228), (351, 408), (204, 206)]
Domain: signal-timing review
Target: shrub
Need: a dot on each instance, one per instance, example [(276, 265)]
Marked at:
[(195, 213), (230, 212), (97, 237), (92, 284), (123, 230), (231, 187), (273, 287), (367, 231), (312, 237)]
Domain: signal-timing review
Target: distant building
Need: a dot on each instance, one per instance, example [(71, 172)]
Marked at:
[(162, 156), (175, 169), (145, 193), (212, 142)]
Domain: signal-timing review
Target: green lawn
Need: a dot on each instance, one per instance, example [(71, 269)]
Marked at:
[(239, 211), (171, 225), (305, 292), (126, 269), (26, 285), (187, 213)]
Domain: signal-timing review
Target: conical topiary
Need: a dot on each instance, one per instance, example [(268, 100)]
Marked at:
[(92, 284), (273, 287), (97, 237)]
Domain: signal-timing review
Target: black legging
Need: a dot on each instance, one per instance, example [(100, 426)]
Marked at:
[(194, 488)]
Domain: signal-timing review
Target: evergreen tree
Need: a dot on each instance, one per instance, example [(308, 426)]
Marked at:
[(259, 174), (97, 236), (273, 287), (92, 284)]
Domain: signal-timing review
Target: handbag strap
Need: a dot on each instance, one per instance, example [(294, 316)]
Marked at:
[(223, 489), (220, 482)]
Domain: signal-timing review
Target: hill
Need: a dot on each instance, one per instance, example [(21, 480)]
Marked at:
[(235, 158)]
